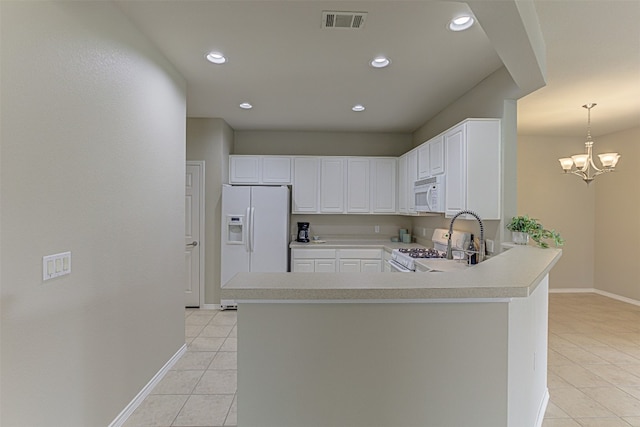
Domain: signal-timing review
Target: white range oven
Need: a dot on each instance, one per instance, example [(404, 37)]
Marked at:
[(403, 260)]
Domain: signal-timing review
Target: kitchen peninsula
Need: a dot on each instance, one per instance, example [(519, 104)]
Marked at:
[(464, 348)]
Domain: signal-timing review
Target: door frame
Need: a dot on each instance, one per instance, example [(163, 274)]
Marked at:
[(201, 238)]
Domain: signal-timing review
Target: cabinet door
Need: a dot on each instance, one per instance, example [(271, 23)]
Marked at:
[(349, 266), (436, 155), (325, 265), (370, 266), (484, 187), (244, 169), (412, 177), (403, 186), (303, 266), (276, 170), (358, 185), (384, 186), (305, 185), (332, 185), (456, 166), (423, 161)]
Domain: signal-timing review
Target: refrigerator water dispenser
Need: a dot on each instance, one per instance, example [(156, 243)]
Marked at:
[(235, 226)]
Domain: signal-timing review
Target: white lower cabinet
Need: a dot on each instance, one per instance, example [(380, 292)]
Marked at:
[(370, 265), (303, 266), (308, 260), (313, 260), (349, 266), (386, 256), (325, 265), (360, 260)]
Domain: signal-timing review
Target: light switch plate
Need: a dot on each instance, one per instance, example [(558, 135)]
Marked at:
[(56, 265)]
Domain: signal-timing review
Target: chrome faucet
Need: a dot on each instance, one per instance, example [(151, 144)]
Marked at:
[(481, 249)]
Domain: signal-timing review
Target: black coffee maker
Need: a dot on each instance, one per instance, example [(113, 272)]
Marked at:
[(303, 232)]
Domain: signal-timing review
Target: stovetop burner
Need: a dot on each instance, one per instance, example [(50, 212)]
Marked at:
[(422, 252)]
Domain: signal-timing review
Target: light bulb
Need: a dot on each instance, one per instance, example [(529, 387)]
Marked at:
[(566, 163)]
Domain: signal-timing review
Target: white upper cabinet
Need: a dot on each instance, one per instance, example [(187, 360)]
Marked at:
[(332, 185), (358, 185), (383, 189), (403, 185), (244, 169), (473, 168), (306, 185), (423, 160), (436, 155), (259, 170), (412, 177), (407, 176), (371, 185), (276, 170), (431, 157)]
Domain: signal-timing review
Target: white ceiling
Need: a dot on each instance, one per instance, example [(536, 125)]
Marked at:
[(299, 76), (593, 55)]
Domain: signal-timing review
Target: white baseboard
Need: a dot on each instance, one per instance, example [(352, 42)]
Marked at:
[(594, 291), (543, 408), (572, 291), (128, 410)]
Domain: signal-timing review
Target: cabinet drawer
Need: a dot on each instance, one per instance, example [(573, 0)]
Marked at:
[(325, 265), (313, 253), (360, 253)]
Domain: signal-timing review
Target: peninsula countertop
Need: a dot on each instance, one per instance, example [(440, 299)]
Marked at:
[(514, 273)]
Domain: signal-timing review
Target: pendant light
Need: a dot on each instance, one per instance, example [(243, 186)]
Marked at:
[(582, 165)]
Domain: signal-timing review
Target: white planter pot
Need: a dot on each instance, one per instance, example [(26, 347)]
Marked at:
[(520, 238)]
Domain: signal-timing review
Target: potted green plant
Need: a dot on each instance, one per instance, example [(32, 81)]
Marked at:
[(523, 227)]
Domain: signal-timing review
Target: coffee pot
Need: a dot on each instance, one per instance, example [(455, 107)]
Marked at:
[(303, 232)]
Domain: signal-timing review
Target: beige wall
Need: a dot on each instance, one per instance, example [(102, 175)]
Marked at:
[(561, 202), (211, 140), (92, 148), (599, 221), (322, 143), (617, 217)]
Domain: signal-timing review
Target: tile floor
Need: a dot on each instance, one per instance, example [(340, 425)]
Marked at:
[(200, 389), (594, 362), (594, 368)]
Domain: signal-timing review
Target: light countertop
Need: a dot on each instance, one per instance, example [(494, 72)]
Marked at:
[(512, 274), (336, 243)]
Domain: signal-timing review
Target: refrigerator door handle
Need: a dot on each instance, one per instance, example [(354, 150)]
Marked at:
[(252, 229), (247, 227)]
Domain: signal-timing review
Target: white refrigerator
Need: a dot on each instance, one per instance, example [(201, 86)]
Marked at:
[(255, 231)]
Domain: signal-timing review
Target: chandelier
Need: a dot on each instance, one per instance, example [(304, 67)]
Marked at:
[(584, 166)]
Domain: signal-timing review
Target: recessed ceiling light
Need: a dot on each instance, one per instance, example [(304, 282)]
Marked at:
[(216, 58), (358, 107), (246, 106), (461, 23), (380, 62)]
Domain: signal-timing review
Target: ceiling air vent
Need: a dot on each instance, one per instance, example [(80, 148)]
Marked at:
[(340, 19)]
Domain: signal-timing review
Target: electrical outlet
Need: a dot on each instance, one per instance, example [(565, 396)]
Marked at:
[(489, 246), (376, 228)]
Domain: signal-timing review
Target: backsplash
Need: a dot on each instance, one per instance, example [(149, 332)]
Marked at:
[(363, 226), (346, 226)]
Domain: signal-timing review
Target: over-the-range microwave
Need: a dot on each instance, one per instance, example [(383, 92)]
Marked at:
[(429, 194)]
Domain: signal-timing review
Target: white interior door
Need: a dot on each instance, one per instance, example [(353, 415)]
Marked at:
[(194, 234)]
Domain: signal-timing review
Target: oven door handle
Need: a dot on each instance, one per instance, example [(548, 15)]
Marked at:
[(397, 266)]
